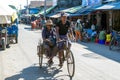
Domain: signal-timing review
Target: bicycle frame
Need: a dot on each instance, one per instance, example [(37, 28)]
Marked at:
[(115, 41)]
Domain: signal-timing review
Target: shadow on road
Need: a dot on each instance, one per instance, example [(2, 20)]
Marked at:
[(36, 73), (1, 49), (99, 49), (29, 29)]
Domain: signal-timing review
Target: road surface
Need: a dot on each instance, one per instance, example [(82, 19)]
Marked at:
[(92, 61)]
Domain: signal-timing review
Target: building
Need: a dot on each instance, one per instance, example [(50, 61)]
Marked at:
[(38, 3), (68, 3)]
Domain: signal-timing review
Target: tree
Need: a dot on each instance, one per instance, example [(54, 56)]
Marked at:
[(13, 7)]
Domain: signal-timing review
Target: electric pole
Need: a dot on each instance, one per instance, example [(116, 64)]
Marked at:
[(27, 8), (44, 8)]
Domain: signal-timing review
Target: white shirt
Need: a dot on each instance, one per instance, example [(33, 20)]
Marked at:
[(92, 27)]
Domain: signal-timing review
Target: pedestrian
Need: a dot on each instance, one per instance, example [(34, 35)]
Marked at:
[(102, 37), (108, 38), (43, 21), (93, 35), (78, 30), (93, 27), (71, 32)]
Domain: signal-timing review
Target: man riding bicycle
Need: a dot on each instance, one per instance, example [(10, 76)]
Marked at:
[(62, 28)]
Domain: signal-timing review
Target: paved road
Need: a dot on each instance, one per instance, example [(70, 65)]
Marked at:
[(92, 61)]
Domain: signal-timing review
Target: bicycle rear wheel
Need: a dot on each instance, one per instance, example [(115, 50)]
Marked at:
[(40, 61), (40, 54), (70, 64)]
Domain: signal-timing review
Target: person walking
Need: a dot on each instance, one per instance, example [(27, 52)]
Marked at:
[(93, 27), (102, 36), (78, 30)]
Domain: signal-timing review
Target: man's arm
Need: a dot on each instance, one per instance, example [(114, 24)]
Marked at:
[(43, 34), (57, 32)]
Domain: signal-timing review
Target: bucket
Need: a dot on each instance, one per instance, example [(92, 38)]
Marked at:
[(101, 41)]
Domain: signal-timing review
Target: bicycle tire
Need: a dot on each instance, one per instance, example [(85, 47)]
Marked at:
[(40, 56), (70, 64)]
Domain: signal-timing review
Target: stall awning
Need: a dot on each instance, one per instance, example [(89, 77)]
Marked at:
[(57, 15), (109, 6), (6, 10), (6, 14), (5, 19), (72, 10), (47, 10), (87, 10)]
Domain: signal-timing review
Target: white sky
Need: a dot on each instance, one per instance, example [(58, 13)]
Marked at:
[(17, 3)]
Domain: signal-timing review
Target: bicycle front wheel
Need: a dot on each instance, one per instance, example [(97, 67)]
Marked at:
[(112, 44), (70, 64)]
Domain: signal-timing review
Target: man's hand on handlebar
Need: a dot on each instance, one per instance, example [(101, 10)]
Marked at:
[(46, 40)]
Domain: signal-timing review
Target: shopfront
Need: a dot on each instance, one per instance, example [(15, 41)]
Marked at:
[(116, 20)]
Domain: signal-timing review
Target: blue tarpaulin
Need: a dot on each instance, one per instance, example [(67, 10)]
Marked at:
[(87, 10), (12, 30), (33, 10)]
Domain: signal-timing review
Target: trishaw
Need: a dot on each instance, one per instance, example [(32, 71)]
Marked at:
[(7, 16), (4, 22), (7, 34), (68, 56)]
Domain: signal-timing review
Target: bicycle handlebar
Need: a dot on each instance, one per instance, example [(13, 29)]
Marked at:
[(66, 42), (61, 41)]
